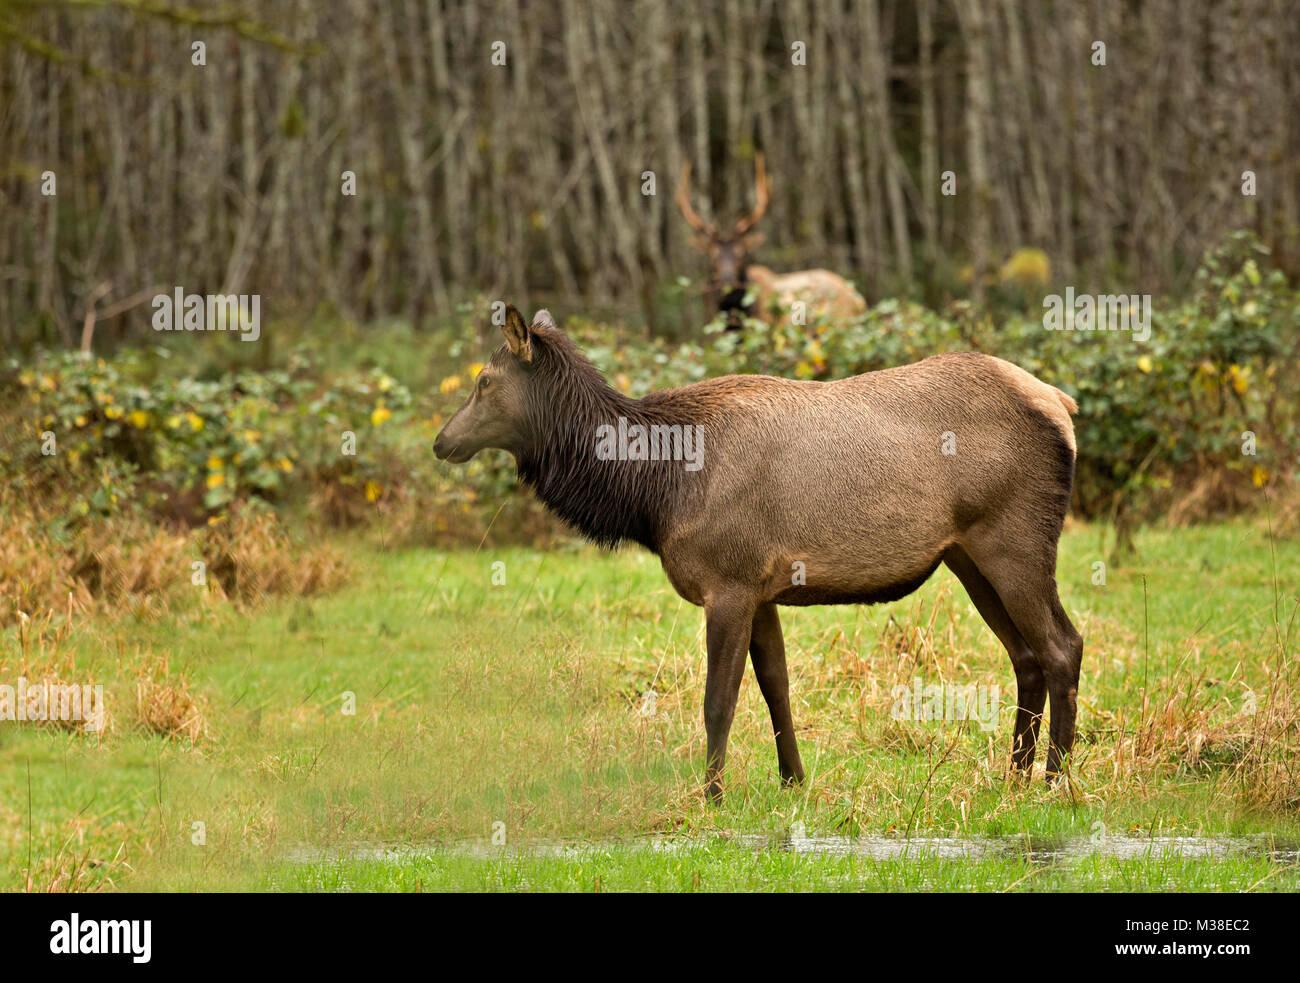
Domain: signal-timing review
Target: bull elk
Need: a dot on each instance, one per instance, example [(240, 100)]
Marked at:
[(732, 275), (863, 485)]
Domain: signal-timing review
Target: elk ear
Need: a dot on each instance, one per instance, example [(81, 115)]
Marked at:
[(516, 333), (703, 243), (753, 240), (542, 319)]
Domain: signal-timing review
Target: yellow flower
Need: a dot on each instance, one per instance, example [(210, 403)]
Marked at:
[(114, 413), (1144, 363), (380, 414), (26, 378), (1240, 378), (449, 384), (47, 383), (252, 436), (1259, 476), (138, 419), (173, 422), (385, 383), (81, 419), (373, 491), (216, 479), (214, 463), (474, 369), (284, 464), (196, 421)]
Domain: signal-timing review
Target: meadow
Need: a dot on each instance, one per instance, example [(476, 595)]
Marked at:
[(530, 719)]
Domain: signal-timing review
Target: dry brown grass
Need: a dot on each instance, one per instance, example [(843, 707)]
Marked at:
[(129, 564), (165, 701), (83, 853), (116, 565), (66, 872), (1266, 751), (166, 705), (34, 575), (45, 660), (250, 556)]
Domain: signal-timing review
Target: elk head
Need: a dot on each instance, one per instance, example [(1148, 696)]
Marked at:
[(496, 414), (728, 251)]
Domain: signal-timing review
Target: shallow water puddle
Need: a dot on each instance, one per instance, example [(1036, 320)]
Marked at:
[(1037, 850)]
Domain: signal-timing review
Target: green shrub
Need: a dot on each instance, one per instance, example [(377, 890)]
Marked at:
[(1153, 415)]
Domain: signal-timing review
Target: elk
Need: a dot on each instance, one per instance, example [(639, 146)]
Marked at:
[(863, 485), (731, 275)]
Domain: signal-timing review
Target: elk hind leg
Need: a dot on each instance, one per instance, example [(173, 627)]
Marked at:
[(767, 652), (1031, 687)]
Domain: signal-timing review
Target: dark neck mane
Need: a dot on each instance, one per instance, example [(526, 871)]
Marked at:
[(608, 501)]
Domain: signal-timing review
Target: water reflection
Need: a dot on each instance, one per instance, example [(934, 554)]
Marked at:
[(1041, 851)]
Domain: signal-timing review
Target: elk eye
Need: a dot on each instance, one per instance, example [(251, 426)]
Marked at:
[(483, 382)]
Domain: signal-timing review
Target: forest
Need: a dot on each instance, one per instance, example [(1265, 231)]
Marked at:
[(392, 158)]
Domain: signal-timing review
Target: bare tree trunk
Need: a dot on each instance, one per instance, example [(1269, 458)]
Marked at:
[(929, 134), (971, 13)]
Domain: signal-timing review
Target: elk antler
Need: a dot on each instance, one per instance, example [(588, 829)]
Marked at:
[(762, 187), (684, 205)]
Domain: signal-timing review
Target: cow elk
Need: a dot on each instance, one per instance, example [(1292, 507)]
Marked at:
[(757, 492), (733, 278)]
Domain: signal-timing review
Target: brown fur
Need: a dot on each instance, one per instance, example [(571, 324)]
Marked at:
[(827, 295), (847, 478)]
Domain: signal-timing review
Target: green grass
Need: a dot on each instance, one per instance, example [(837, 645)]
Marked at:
[(519, 709), (723, 867)]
